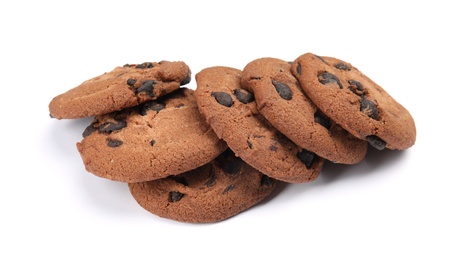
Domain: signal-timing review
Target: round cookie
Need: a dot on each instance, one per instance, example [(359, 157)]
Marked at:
[(281, 101), (213, 192), (120, 88), (232, 113), (355, 102), (150, 141)]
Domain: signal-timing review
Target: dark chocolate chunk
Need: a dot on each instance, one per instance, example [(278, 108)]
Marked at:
[(211, 180), (356, 87), (299, 68), (306, 157), (89, 130), (131, 82), (342, 66), (153, 142), (265, 181), (144, 65), (322, 120), (113, 142), (273, 148), (175, 196), (369, 108), (147, 87), (109, 127), (376, 142), (223, 98), (151, 105), (249, 144), (187, 79), (327, 78), (283, 89), (244, 96), (320, 58), (228, 188)]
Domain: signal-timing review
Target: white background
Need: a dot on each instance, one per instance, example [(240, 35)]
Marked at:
[(393, 205)]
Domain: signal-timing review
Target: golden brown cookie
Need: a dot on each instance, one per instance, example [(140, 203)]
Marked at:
[(213, 192), (232, 113), (150, 141), (355, 102), (281, 101), (120, 88)]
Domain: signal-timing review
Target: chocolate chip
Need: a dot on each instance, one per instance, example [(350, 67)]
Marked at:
[(144, 65), (180, 105), (376, 142), (147, 87), (223, 98), (299, 68), (273, 148), (369, 108), (211, 181), (153, 142), (356, 87), (187, 79), (228, 188), (131, 82), (244, 96), (322, 120), (113, 142), (327, 78), (249, 144), (151, 105), (320, 58), (342, 66), (109, 127), (306, 157), (175, 196), (89, 130), (283, 89), (265, 181)]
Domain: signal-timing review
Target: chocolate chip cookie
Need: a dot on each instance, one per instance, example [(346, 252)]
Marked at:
[(120, 88), (213, 192), (150, 141), (355, 102), (281, 101), (232, 113)]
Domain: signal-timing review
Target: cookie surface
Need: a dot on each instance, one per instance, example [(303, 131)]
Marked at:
[(232, 113), (150, 141), (281, 101), (355, 102), (120, 88), (210, 193)]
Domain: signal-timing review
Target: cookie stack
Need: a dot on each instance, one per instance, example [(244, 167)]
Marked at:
[(207, 154)]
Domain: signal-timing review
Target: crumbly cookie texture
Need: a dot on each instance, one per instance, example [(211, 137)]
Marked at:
[(205, 155), (120, 88), (281, 101), (355, 102), (213, 192), (150, 141), (232, 113)]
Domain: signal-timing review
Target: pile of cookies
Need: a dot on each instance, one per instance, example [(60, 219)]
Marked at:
[(207, 154)]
